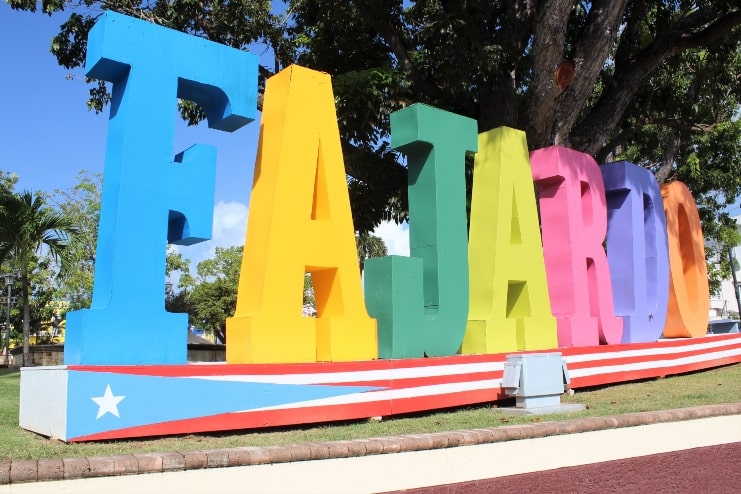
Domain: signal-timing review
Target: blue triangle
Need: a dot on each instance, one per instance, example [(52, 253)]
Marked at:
[(150, 400)]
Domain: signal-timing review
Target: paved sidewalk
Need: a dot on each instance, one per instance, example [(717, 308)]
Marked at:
[(44, 475)]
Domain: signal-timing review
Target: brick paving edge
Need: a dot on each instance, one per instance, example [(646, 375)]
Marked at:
[(17, 471)]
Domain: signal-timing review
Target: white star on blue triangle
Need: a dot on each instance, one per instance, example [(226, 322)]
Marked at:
[(152, 400), (107, 403)]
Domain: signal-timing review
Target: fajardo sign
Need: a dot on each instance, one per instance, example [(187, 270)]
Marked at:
[(521, 278), (515, 281)]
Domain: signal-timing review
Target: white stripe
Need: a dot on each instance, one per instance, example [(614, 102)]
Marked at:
[(359, 376), (653, 364), (450, 369), (389, 394), (442, 389), (650, 351)]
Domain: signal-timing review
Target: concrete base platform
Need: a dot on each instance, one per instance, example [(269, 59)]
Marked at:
[(98, 402)]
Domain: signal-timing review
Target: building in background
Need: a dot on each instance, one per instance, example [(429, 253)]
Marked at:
[(724, 305)]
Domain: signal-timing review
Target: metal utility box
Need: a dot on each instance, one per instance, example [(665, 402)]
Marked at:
[(535, 379)]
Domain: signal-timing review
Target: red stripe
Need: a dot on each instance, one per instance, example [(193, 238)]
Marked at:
[(221, 369), (680, 342), (197, 370), (460, 398), (650, 358), (615, 377), (249, 420)]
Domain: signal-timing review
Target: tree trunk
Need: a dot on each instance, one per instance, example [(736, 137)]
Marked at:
[(670, 156), (549, 34), (589, 56), (555, 110)]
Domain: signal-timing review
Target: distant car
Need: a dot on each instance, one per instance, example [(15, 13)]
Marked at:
[(198, 331)]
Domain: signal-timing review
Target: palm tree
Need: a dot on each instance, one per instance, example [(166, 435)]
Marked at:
[(26, 226), (369, 246)]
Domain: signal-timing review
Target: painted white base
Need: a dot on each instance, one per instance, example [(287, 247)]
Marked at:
[(43, 401), (389, 472)]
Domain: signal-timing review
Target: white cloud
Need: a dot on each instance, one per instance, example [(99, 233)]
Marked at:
[(230, 226), (230, 223), (395, 236)]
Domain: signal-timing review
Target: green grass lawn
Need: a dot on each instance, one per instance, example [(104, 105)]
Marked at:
[(722, 385)]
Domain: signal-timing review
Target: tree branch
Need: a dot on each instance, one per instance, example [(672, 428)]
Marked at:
[(623, 138), (670, 156), (549, 34), (710, 34), (592, 134), (688, 127)]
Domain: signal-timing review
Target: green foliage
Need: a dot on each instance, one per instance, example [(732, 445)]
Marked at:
[(309, 307), (214, 297), (369, 246), (27, 224), (177, 298), (725, 236), (81, 204), (177, 265), (42, 291), (7, 182), (683, 126), (655, 82)]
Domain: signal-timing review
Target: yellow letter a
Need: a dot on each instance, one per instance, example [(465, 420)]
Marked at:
[(299, 221), (509, 307)]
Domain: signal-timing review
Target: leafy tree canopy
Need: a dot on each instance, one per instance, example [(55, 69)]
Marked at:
[(656, 82), (28, 226), (369, 246), (214, 296), (81, 204), (7, 182)]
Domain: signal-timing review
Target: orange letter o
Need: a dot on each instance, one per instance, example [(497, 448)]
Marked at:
[(689, 294)]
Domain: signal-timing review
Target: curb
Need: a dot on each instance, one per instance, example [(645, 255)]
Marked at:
[(18, 471)]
